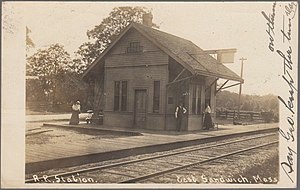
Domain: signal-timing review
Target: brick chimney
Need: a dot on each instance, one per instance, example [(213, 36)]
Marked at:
[(147, 19)]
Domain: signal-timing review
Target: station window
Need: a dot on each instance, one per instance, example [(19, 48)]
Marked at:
[(196, 99), (134, 47), (120, 96), (123, 95), (156, 96)]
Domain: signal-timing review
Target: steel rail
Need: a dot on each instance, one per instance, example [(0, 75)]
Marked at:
[(142, 159), (156, 174)]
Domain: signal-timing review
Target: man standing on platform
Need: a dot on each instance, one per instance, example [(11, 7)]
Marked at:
[(179, 112)]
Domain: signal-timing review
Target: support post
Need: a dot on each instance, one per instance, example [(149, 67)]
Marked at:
[(202, 102), (240, 91), (178, 75), (222, 86)]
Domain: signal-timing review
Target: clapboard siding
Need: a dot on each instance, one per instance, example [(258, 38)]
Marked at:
[(155, 122), (133, 36), (136, 59), (154, 63), (118, 119), (195, 122), (137, 78)]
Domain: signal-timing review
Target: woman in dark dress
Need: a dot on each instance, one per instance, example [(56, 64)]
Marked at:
[(75, 114), (207, 118)]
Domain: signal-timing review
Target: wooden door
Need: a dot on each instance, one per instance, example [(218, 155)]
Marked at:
[(140, 108)]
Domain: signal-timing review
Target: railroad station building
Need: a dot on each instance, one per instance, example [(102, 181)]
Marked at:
[(145, 73)]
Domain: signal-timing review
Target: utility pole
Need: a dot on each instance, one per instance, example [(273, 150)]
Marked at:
[(240, 92)]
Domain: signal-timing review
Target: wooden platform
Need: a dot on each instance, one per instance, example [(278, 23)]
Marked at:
[(45, 156)]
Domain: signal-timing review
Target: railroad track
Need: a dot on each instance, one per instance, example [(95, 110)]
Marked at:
[(137, 170)]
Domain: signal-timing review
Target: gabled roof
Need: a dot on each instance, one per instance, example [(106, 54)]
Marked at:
[(183, 51)]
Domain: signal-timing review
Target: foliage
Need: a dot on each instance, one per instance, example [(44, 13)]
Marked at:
[(226, 99), (34, 91), (58, 80), (229, 100), (267, 105), (267, 116), (78, 66), (107, 31), (70, 88), (59, 76), (48, 64)]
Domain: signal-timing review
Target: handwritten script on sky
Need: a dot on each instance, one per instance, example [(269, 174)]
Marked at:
[(281, 43)]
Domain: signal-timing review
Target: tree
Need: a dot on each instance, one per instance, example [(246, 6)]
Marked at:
[(100, 37), (49, 65), (29, 42), (106, 32), (71, 88), (226, 99), (78, 66)]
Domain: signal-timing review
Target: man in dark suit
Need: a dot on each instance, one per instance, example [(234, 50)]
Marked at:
[(179, 112)]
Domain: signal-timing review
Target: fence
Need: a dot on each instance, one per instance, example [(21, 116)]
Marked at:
[(246, 115)]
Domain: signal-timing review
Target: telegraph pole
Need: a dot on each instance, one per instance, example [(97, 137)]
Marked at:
[(240, 92)]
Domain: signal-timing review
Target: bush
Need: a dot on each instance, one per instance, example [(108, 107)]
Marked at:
[(267, 116)]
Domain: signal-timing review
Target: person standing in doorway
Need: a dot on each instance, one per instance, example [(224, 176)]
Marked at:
[(75, 113), (207, 118), (179, 112)]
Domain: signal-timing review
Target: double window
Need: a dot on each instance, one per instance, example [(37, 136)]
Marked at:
[(120, 96)]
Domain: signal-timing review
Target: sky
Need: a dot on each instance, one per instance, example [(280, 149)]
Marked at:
[(208, 25)]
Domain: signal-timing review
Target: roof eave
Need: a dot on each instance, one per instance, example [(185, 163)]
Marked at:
[(95, 62), (238, 79), (187, 66)]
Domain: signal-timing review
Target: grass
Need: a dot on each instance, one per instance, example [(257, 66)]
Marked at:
[(266, 172)]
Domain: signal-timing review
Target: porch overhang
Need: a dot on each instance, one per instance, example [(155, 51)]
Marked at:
[(220, 76), (222, 87), (238, 80)]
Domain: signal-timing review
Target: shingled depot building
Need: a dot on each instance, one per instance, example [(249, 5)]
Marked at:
[(145, 73)]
